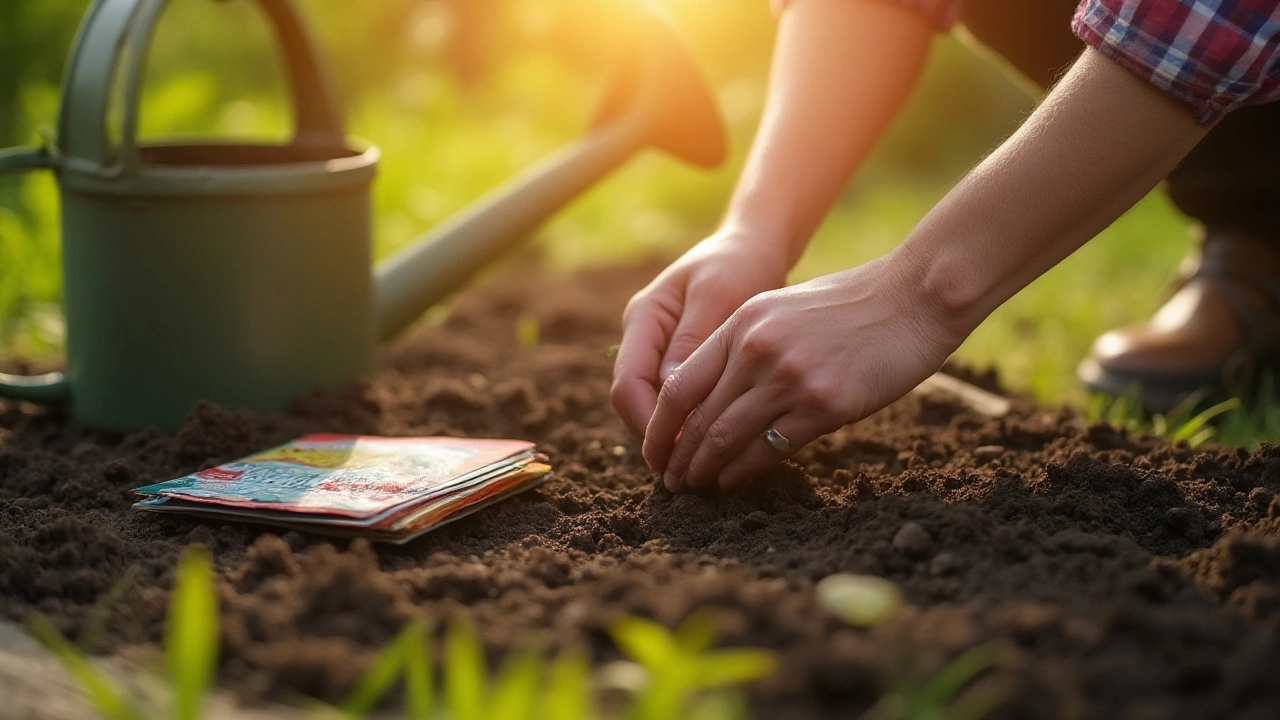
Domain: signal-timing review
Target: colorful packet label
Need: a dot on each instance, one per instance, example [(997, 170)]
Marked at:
[(346, 475)]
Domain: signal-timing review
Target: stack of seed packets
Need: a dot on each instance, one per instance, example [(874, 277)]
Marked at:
[(386, 489)]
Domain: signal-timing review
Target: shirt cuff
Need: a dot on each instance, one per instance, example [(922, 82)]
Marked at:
[(941, 14), (1184, 48)]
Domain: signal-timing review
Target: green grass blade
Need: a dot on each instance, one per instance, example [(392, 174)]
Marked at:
[(661, 700), (515, 690), (465, 676), (734, 667), (944, 686), (379, 677), (1183, 410), (111, 703), (1202, 437), (1095, 408), (646, 642), (419, 693), (1160, 426), (1192, 427), (977, 704), (191, 634), (722, 705), (888, 707), (568, 691), (698, 632)]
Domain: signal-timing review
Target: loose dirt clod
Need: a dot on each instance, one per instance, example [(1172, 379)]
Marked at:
[(913, 540), (1116, 577), (987, 453)]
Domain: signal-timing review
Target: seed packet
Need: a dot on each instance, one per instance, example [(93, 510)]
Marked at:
[(390, 489)]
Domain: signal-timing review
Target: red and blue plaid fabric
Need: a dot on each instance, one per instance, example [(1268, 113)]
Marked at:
[(1215, 55)]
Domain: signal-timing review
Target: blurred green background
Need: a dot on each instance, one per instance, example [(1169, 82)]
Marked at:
[(460, 94)]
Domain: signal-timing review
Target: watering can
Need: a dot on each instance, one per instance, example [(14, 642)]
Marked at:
[(242, 273)]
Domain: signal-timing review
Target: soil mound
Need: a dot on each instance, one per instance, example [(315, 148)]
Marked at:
[(1114, 576)]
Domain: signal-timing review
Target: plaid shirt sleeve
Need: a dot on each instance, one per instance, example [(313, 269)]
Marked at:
[(1215, 55), (941, 14)]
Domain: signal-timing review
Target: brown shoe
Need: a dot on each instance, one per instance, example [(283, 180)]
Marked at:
[(1218, 333)]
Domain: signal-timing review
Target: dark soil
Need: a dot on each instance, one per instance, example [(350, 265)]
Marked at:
[(1117, 577)]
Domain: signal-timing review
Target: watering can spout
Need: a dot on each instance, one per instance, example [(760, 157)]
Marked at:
[(658, 99)]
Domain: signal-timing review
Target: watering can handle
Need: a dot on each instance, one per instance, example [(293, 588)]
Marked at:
[(51, 387), (116, 35)]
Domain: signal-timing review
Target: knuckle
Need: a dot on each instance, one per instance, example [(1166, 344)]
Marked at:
[(719, 438), (618, 394), (687, 338), (634, 305), (761, 340), (753, 308), (694, 425), (790, 369), (672, 389), (822, 398)]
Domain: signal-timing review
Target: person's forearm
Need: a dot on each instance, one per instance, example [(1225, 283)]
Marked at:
[(841, 71), (1097, 144)]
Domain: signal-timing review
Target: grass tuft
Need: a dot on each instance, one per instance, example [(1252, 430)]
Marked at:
[(191, 634)]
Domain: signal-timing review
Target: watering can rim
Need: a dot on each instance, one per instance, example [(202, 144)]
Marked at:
[(354, 162)]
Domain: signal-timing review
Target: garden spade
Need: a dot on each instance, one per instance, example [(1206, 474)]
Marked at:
[(242, 273)]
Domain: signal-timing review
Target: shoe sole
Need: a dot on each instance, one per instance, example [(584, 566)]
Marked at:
[(1158, 395)]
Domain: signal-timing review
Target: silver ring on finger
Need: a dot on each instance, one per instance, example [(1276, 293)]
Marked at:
[(776, 440)]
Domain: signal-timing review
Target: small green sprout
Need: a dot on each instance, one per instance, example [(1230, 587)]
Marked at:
[(940, 697), (568, 691), (526, 686), (191, 634), (674, 675), (465, 676), (406, 654), (680, 666)]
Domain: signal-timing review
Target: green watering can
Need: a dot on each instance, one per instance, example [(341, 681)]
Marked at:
[(241, 273)]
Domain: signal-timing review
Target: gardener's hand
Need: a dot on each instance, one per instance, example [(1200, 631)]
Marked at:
[(669, 319), (804, 360)]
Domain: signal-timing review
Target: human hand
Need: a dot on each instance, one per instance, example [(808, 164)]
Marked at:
[(672, 316), (804, 360)]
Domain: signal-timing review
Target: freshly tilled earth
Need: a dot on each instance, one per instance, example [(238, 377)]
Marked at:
[(1111, 576)]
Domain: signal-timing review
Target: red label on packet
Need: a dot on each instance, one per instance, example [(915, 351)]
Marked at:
[(219, 474)]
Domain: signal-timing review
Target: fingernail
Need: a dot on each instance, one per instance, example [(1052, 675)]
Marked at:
[(672, 482), (666, 370)]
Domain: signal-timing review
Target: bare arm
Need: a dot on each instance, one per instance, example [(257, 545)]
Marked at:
[(1100, 142), (842, 69), (812, 357)]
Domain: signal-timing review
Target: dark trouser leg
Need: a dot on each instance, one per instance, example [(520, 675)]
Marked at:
[(1032, 35), (1231, 181), (1221, 329)]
